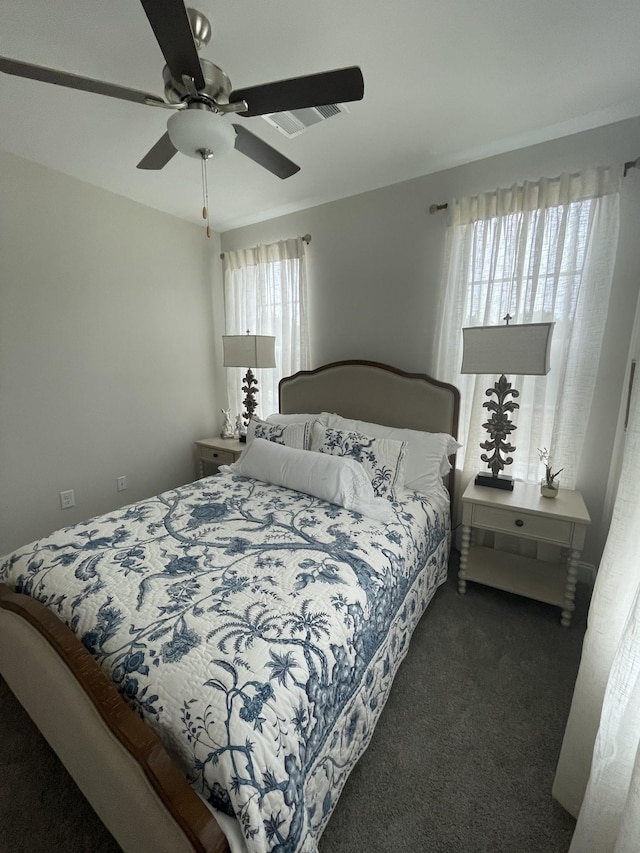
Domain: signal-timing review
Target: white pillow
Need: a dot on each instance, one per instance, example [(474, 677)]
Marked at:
[(381, 458), (330, 478), (292, 435), (428, 453), (277, 418)]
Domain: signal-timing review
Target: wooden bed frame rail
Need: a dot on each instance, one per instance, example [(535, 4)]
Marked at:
[(195, 827)]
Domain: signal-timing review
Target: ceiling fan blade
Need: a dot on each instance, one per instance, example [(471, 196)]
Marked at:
[(315, 90), (260, 152), (171, 27), (72, 81), (159, 155)]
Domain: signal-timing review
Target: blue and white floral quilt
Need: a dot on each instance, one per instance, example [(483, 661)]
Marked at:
[(256, 629)]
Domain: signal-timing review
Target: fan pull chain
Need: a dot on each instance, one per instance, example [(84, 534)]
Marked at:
[(205, 193)]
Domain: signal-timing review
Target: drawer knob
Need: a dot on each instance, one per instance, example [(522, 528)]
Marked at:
[(214, 455), (519, 522)]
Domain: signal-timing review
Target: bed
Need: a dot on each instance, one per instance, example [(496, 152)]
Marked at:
[(216, 658)]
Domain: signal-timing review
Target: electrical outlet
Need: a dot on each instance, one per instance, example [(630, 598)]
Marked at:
[(121, 482), (67, 499)]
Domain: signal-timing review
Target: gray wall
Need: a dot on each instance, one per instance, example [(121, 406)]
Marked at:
[(106, 349), (375, 260)]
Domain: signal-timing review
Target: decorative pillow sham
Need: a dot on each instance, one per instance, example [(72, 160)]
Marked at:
[(382, 459), (292, 435), (277, 418), (331, 478), (427, 458)]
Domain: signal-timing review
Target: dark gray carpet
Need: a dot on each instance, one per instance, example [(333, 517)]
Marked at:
[(462, 760)]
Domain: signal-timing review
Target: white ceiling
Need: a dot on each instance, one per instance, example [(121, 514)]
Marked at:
[(446, 82)]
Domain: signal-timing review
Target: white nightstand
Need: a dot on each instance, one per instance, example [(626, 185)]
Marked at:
[(524, 513), (217, 451)]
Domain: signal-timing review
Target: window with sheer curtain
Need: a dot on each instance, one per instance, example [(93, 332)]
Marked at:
[(265, 294), (540, 252)]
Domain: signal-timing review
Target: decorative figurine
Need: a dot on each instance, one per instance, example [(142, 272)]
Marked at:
[(227, 426), (241, 430)]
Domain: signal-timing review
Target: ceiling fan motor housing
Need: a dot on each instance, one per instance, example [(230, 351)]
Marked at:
[(217, 84)]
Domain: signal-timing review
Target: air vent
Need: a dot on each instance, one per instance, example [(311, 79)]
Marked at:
[(293, 122)]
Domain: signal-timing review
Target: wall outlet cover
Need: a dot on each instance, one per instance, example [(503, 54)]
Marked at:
[(67, 499)]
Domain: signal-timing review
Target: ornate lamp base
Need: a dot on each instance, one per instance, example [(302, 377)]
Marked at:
[(250, 388), (500, 429)]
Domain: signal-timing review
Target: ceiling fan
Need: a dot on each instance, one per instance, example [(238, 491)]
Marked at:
[(201, 93)]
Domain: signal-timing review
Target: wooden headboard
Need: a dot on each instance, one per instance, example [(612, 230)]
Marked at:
[(374, 392)]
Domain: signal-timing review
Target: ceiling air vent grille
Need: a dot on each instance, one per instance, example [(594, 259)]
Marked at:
[(293, 122)]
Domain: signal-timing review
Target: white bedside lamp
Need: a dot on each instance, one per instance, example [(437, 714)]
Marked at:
[(521, 349), (249, 351)]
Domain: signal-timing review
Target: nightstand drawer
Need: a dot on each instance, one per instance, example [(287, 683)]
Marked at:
[(220, 457), (523, 524)]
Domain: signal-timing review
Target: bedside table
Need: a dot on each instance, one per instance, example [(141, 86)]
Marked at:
[(217, 451), (526, 514)]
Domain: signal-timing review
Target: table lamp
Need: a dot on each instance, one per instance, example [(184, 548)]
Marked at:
[(249, 351), (521, 349)]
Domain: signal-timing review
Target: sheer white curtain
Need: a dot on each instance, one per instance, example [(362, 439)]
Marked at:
[(266, 293), (541, 252), (600, 751)]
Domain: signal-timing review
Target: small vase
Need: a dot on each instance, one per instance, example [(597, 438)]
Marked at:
[(549, 490)]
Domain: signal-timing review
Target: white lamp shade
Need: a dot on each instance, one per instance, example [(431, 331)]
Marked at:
[(191, 130), (249, 350), (522, 349)]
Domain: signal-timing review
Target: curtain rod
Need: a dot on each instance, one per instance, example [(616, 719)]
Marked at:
[(305, 239), (630, 164)]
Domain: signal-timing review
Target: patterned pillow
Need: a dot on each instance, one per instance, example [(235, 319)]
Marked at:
[(383, 459), (427, 460), (291, 435)]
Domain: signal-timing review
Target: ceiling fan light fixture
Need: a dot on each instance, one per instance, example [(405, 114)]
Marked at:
[(192, 131)]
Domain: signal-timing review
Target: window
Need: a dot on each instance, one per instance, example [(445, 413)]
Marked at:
[(540, 252), (265, 293)]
